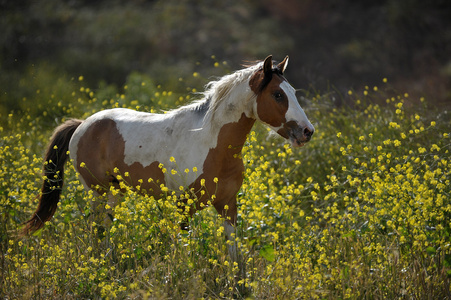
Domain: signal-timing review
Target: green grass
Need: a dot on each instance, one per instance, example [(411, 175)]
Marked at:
[(362, 211)]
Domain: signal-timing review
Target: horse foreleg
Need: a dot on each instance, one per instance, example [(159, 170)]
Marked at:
[(237, 258), (229, 212), (232, 246)]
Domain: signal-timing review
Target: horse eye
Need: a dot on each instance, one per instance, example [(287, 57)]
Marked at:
[(278, 96)]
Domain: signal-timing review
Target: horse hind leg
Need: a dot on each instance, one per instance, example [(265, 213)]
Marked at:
[(102, 201), (102, 212)]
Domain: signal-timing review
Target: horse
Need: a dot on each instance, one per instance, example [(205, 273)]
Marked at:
[(207, 135)]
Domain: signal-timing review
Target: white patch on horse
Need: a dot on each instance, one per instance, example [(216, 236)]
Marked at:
[(295, 111), (157, 137)]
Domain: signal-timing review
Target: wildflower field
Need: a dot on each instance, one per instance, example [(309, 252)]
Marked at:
[(361, 212)]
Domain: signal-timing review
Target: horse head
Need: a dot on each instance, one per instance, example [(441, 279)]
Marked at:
[(276, 104)]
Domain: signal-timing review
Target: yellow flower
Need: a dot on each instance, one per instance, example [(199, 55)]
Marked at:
[(82, 165)]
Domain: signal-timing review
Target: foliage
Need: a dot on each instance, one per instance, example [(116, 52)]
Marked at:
[(362, 211)]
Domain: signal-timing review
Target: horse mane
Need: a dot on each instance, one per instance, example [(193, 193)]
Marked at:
[(221, 91), (227, 88)]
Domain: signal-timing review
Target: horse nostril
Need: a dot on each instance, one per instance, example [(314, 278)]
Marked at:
[(308, 133)]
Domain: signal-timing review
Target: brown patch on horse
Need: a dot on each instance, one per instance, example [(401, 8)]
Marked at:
[(102, 149), (54, 161), (224, 162)]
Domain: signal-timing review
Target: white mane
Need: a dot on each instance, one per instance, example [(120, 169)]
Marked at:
[(231, 90)]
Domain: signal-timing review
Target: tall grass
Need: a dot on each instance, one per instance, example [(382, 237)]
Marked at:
[(362, 211)]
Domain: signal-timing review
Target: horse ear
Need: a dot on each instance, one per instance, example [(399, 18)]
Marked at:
[(267, 65), (283, 65)]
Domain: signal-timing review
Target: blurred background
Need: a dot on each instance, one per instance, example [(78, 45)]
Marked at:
[(333, 45)]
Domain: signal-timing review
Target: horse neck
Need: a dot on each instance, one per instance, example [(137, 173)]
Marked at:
[(231, 119)]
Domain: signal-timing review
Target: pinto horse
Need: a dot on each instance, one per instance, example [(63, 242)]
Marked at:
[(207, 135)]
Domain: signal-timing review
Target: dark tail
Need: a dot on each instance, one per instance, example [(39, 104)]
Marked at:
[(55, 158)]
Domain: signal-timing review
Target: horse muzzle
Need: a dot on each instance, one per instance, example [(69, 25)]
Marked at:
[(298, 135)]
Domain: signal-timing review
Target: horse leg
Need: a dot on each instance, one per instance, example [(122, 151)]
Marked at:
[(101, 216), (230, 231), (229, 212), (237, 257), (232, 246)]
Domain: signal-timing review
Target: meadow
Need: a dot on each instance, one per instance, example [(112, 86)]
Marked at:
[(361, 212)]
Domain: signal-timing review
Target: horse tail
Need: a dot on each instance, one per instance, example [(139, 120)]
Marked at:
[(54, 160)]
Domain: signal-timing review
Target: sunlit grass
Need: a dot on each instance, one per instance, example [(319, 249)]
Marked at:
[(362, 211)]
